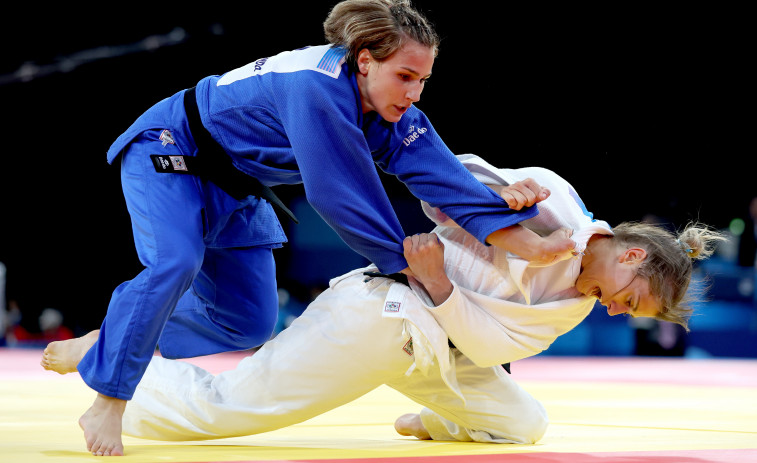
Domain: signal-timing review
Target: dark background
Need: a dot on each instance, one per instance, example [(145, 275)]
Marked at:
[(644, 111)]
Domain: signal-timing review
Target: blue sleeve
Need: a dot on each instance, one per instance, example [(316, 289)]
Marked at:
[(424, 163), (321, 116)]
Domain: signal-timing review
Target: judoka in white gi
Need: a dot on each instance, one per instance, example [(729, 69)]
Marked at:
[(364, 332)]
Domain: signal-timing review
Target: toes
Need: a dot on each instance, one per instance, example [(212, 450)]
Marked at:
[(403, 424), (104, 450), (97, 449), (411, 425)]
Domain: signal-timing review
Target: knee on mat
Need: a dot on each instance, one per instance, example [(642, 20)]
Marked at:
[(527, 428), (534, 428)]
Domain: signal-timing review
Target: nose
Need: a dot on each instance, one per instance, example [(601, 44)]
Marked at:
[(616, 309), (414, 92)]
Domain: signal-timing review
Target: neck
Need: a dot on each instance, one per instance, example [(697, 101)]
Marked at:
[(594, 246), (361, 86)]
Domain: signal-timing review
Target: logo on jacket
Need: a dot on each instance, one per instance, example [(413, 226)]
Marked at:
[(392, 306), (408, 347), (178, 162), (414, 135), (259, 64), (166, 138)]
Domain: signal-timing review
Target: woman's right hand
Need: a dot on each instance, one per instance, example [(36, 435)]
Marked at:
[(424, 253)]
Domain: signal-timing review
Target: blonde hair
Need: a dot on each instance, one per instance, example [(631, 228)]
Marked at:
[(669, 263), (381, 26)]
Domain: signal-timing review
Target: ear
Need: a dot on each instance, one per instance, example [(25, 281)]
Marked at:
[(364, 60), (633, 256)]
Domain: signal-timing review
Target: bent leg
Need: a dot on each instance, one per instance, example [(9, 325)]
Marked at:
[(496, 409), (165, 211), (339, 349), (233, 305)]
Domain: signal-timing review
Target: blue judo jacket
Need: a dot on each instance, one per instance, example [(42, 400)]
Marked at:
[(297, 117)]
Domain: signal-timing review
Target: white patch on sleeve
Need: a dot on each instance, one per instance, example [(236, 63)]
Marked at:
[(324, 59)]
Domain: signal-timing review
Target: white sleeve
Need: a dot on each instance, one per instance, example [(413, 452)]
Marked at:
[(491, 331), (564, 207)]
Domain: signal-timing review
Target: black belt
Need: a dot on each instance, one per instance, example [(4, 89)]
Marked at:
[(213, 164), (398, 277), (402, 278)]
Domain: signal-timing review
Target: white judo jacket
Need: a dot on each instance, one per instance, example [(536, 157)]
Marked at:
[(502, 308)]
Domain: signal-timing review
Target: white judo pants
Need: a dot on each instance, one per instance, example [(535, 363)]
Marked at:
[(339, 349)]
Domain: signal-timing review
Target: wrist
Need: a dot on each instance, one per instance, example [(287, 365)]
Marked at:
[(439, 291)]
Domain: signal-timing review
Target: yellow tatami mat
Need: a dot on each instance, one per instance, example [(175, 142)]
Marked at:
[(602, 410)]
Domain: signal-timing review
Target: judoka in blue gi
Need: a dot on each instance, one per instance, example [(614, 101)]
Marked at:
[(324, 116)]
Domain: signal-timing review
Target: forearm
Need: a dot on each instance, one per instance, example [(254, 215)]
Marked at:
[(488, 329), (516, 239), (439, 289)]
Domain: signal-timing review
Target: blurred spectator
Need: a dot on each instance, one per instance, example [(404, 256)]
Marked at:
[(748, 238), (51, 328), (22, 323), (658, 338), (3, 310)]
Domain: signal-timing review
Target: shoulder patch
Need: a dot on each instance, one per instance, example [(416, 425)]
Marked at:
[(332, 60)]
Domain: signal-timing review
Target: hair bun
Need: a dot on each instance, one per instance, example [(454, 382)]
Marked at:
[(685, 248), (698, 241)]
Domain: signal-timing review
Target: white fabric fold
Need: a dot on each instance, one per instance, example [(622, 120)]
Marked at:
[(518, 309)]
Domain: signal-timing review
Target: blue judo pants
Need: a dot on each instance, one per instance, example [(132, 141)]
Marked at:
[(193, 297)]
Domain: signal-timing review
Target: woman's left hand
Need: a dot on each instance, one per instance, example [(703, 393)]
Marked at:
[(523, 194)]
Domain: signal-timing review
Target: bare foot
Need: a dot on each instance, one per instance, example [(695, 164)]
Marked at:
[(411, 425), (63, 356), (102, 426)]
